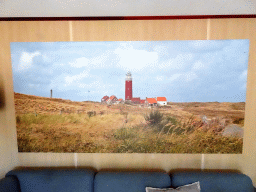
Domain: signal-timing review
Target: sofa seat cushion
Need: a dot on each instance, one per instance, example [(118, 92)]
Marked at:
[(77, 180), (9, 184), (214, 181), (130, 181)]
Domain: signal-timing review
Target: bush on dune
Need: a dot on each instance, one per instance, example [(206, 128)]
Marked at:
[(169, 124), (154, 117)]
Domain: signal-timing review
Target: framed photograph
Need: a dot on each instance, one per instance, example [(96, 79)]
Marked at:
[(183, 96)]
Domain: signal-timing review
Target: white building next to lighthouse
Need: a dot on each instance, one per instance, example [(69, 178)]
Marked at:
[(161, 101)]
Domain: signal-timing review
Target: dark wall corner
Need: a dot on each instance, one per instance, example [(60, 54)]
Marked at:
[(2, 95)]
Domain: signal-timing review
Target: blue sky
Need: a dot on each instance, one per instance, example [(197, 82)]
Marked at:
[(181, 71)]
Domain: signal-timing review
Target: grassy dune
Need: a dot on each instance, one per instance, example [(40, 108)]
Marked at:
[(120, 133), (58, 125)]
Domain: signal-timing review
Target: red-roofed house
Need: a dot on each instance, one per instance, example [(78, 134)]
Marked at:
[(161, 101), (142, 101), (104, 99), (112, 99), (151, 102), (136, 100), (120, 101)]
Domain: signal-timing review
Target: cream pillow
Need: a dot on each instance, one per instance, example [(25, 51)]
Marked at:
[(194, 187)]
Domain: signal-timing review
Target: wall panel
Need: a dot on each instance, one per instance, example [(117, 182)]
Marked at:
[(19, 32), (125, 31), (241, 29), (33, 31), (164, 162), (8, 138), (139, 30), (46, 159), (224, 161)]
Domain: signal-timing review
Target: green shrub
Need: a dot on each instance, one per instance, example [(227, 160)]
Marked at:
[(125, 133), (154, 117), (172, 120), (169, 124), (91, 113)]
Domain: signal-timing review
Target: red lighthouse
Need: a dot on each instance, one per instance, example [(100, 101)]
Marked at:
[(128, 86)]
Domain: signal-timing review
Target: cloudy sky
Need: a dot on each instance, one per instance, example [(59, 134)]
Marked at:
[(181, 71)]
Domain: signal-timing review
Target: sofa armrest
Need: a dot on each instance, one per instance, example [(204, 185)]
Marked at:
[(9, 184)]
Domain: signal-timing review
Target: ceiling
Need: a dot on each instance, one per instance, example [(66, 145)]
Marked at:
[(98, 8)]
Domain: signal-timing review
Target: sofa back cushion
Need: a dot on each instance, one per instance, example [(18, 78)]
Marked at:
[(130, 181), (214, 182), (78, 180)]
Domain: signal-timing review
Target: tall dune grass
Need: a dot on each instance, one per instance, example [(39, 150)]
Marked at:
[(120, 132)]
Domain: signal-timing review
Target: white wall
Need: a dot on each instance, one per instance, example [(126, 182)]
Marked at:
[(71, 8), (161, 103), (8, 138)]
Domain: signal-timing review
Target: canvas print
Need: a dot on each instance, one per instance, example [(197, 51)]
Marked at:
[(130, 96)]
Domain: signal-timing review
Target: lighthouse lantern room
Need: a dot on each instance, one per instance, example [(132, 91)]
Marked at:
[(128, 86)]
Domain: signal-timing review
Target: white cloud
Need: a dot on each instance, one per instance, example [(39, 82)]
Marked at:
[(219, 87), (190, 76), (243, 87), (101, 60), (159, 78), (95, 84), (80, 62), (175, 77), (46, 59), (161, 50), (199, 44), (134, 59), (70, 79), (202, 45), (187, 77), (26, 60), (98, 87), (198, 66), (33, 85), (179, 62), (243, 76)]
